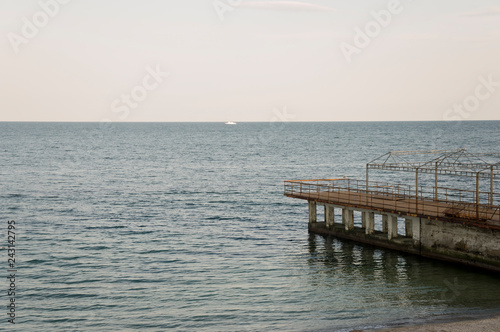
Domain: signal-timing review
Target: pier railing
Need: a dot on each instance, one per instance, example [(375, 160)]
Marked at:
[(426, 201)]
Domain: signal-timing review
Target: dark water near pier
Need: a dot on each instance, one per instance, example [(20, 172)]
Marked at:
[(184, 226)]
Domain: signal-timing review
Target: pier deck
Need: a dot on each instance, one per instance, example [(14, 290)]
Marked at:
[(397, 199)]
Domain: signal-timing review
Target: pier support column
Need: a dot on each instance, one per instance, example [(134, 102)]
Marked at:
[(312, 212), (409, 226), (416, 230), (363, 219), (392, 227), (329, 216), (348, 219), (369, 222), (384, 222)]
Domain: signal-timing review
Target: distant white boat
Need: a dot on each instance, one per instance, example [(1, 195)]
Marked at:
[(231, 123)]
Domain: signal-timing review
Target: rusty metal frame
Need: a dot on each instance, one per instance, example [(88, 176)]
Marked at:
[(458, 162), (448, 162), (451, 203)]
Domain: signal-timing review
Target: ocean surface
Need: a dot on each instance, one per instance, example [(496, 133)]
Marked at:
[(184, 226)]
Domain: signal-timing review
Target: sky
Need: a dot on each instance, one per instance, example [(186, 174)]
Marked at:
[(239, 60)]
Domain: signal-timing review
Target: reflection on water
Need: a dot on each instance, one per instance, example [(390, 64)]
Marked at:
[(364, 278)]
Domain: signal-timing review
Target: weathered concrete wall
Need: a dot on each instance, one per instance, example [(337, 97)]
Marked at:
[(357, 234), (462, 243), (445, 240)]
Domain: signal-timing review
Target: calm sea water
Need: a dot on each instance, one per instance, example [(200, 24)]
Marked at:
[(184, 226)]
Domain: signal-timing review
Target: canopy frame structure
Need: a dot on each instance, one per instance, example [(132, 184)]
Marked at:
[(458, 162)]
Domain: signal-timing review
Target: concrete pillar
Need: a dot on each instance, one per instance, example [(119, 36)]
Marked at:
[(363, 219), (409, 226), (312, 212), (329, 216), (416, 230), (392, 227), (384, 223), (369, 222), (348, 218)]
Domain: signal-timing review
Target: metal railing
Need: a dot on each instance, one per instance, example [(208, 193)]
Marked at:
[(401, 198)]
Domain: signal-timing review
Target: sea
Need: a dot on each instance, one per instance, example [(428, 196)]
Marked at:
[(184, 227)]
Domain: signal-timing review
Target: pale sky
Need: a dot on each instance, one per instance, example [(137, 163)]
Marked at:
[(315, 60)]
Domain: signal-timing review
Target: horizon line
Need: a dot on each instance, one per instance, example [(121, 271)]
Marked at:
[(223, 122)]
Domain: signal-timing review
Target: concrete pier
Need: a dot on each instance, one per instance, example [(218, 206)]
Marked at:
[(460, 225), (415, 233), (369, 222), (385, 217), (392, 227), (444, 238), (329, 216), (408, 227), (348, 218), (312, 212)]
